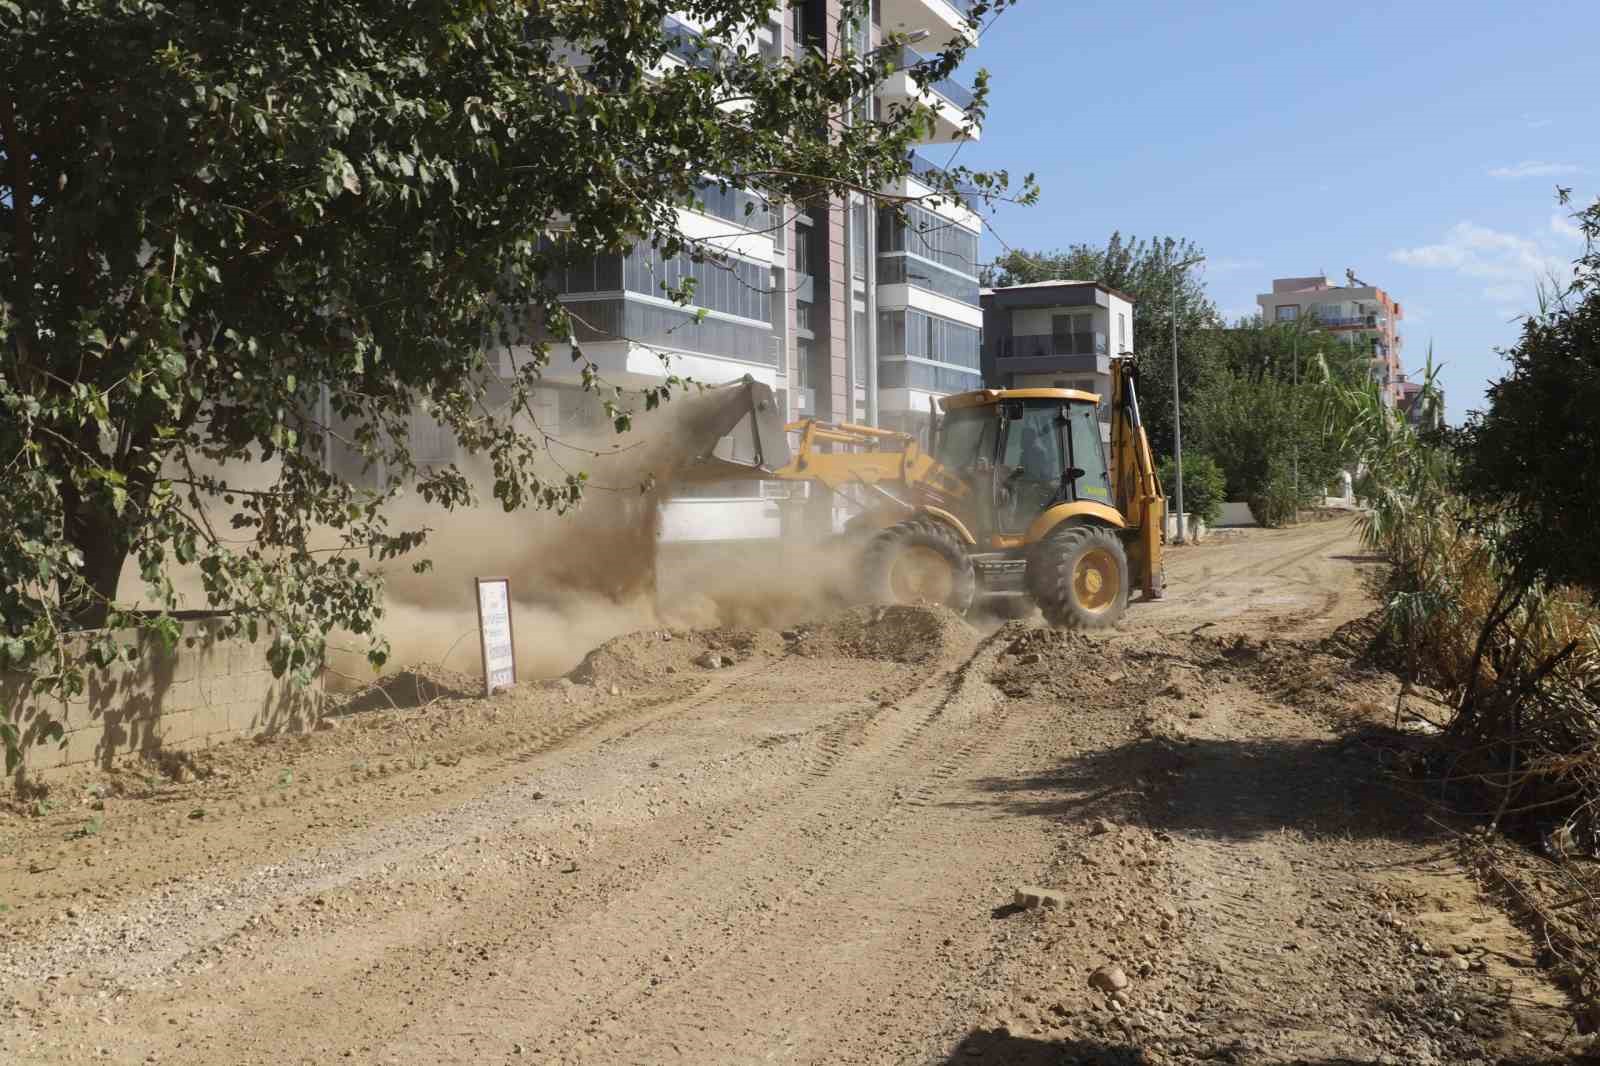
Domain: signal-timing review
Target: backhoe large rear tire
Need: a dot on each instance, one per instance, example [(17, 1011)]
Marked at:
[(919, 561), (1079, 576)]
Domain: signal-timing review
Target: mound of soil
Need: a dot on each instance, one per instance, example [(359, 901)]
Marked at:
[(894, 634), (407, 689), (649, 656), (1057, 663)]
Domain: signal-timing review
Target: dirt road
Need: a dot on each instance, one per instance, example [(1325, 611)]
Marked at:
[(800, 847)]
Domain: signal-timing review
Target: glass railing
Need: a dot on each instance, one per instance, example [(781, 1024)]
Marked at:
[(748, 209), (685, 43), (948, 88), (931, 172), (1037, 346), (897, 270), (1359, 321)]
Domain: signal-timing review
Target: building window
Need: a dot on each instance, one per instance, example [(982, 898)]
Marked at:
[(802, 250), (1288, 312), (923, 336), (859, 340), (858, 240), (1122, 332), (930, 236)]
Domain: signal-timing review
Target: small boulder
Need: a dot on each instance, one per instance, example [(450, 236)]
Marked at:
[(1030, 896), (1109, 978)]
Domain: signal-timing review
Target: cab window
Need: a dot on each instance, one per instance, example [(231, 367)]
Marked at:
[(1088, 454)]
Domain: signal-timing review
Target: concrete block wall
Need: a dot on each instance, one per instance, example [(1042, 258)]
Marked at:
[(205, 691)]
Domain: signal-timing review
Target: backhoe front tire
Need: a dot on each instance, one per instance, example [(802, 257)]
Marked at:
[(1079, 576), (919, 561)]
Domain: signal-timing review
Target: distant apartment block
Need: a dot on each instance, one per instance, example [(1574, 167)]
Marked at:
[(1356, 314), (1055, 334), (1419, 416)]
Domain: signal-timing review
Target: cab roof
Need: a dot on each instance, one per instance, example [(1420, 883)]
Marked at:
[(986, 397)]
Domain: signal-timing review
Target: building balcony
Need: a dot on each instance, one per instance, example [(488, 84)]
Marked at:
[(1354, 321), (945, 20), (1051, 345), (686, 43), (947, 98)]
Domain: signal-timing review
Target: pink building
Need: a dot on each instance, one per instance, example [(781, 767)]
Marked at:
[(1356, 314)]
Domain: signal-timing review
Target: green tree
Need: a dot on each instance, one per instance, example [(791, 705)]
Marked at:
[(1532, 459), (230, 231), (1143, 270), (1204, 485)]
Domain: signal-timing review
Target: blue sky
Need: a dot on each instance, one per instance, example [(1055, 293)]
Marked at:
[(1418, 143)]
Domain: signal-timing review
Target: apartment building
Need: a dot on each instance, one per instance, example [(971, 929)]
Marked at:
[(1356, 314), (1419, 416), (847, 309), (850, 312), (1059, 334)]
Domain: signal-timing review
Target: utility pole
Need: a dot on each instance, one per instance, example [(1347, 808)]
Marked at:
[(1295, 396), (1177, 420)]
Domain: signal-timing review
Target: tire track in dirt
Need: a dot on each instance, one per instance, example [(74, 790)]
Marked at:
[(897, 875), (215, 903), (864, 727), (849, 801)]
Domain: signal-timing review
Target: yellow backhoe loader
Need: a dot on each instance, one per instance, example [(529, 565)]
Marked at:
[(1015, 501)]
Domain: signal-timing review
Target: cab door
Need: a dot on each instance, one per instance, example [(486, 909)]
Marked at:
[(1033, 458)]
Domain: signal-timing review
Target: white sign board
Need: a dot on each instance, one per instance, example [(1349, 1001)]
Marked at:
[(495, 633)]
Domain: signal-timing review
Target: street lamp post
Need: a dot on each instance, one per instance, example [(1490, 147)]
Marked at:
[(1177, 413), (1296, 395)]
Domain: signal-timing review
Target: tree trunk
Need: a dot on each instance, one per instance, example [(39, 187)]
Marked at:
[(104, 544)]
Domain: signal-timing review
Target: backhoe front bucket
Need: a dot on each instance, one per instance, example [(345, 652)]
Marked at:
[(734, 432)]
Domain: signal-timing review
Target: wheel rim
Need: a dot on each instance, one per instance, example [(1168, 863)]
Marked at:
[(1095, 580), (921, 575)]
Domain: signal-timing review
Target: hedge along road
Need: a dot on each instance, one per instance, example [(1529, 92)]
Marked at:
[(808, 854)]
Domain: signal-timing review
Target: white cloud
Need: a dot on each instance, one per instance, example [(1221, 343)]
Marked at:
[(1506, 293), (1224, 264), (1480, 252), (1563, 226), (1536, 122), (1535, 168)]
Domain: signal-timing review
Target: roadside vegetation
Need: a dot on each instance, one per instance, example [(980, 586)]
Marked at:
[(1494, 595)]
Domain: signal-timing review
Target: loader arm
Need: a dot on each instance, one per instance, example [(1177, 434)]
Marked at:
[(736, 432), (862, 455), (1139, 495)]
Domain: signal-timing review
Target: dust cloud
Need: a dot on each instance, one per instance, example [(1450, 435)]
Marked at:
[(579, 579)]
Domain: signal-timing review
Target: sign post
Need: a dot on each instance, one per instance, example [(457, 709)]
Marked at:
[(496, 636)]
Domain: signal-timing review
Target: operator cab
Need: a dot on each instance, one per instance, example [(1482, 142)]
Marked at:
[(1022, 451)]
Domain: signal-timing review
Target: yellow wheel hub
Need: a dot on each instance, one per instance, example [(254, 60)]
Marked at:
[(1096, 579), (921, 575)]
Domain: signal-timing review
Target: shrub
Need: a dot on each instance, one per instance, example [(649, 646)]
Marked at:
[(1274, 502), (1204, 486)]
